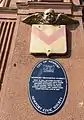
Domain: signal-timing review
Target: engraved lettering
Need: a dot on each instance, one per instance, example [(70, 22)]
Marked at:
[(38, 106), (47, 84)]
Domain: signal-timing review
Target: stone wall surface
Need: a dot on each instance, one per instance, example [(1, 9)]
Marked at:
[(15, 104), (14, 100)]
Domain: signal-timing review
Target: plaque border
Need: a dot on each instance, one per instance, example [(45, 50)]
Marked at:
[(66, 91)]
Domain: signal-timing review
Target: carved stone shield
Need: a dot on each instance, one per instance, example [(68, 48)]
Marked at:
[(48, 39)]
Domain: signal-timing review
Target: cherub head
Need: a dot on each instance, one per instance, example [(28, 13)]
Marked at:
[(49, 15)]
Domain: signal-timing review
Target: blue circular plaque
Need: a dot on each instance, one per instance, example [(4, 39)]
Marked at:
[(48, 86)]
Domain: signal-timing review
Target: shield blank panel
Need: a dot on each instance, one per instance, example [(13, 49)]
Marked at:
[(48, 39)]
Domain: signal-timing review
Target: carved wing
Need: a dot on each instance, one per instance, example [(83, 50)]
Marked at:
[(59, 19), (34, 18), (63, 19)]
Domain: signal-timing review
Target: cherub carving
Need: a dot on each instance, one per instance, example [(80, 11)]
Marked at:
[(49, 16)]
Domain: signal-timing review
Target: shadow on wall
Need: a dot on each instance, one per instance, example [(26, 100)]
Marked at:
[(4, 3), (8, 3)]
